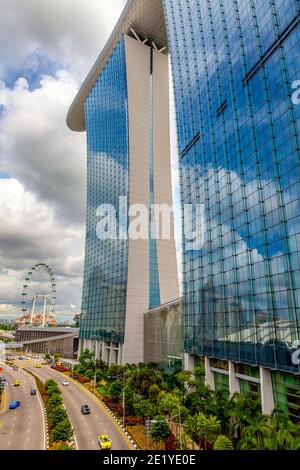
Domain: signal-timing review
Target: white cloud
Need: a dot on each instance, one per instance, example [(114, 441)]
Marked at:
[(31, 232), (71, 32), (42, 204), (38, 149)]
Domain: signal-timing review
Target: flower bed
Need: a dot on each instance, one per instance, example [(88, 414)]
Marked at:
[(138, 435)]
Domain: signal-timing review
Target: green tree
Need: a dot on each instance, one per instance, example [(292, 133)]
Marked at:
[(223, 443), (130, 400), (168, 403), (144, 409), (160, 430), (115, 389), (221, 405), (154, 392), (76, 320), (203, 428)]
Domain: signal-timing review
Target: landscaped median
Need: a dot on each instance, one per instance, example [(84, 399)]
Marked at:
[(59, 428)]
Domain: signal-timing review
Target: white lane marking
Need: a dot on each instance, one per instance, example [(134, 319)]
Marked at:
[(93, 442), (44, 421), (9, 442), (75, 441)]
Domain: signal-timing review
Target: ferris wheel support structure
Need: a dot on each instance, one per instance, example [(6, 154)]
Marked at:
[(48, 298)]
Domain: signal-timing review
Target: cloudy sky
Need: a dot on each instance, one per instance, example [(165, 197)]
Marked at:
[(46, 49)]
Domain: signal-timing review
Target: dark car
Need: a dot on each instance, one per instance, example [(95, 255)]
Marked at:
[(85, 410), (33, 392)]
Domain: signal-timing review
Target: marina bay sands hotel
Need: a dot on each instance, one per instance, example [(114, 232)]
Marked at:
[(234, 66)]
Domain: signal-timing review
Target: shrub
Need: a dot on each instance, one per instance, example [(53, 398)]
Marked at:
[(57, 415), (62, 431), (54, 401), (171, 443), (223, 443), (134, 421), (160, 430), (61, 445)]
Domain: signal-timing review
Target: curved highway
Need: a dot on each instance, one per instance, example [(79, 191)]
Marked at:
[(87, 428), (24, 427)]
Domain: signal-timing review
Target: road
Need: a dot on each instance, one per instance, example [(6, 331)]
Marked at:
[(87, 428), (23, 428)]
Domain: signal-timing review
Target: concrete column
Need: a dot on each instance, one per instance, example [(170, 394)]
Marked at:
[(106, 352), (80, 347), (266, 390), (120, 354), (102, 350), (234, 383), (188, 361), (97, 350), (209, 375)]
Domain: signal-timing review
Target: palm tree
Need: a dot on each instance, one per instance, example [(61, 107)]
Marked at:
[(211, 430), (256, 431), (244, 411), (223, 443), (203, 428), (221, 405)]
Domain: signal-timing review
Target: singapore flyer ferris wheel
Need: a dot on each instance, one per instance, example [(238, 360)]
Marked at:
[(29, 300)]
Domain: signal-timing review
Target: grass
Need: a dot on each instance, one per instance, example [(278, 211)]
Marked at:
[(103, 390)]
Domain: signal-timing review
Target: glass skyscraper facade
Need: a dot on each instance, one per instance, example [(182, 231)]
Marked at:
[(234, 63), (123, 106), (105, 270)]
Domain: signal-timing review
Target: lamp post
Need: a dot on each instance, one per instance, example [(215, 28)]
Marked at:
[(180, 435), (123, 393)]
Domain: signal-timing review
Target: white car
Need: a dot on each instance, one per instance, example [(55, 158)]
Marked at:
[(66, 383)]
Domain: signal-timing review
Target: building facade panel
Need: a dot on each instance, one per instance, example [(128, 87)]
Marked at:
[(138, 80), (234, 63), (106, 260)]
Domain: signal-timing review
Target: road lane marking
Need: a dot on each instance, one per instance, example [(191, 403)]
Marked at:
[(105, 412)]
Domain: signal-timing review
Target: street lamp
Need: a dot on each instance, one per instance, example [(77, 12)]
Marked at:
[(123, 375), (180, 435)]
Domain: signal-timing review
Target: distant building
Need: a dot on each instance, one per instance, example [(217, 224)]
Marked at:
[(37, 320), (62, 341)]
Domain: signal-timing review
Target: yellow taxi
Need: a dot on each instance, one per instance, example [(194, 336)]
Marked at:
[(38, 366), (104, 442), (17, 383)]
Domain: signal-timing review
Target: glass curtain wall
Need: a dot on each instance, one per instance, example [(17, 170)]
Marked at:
[(234, 63)]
